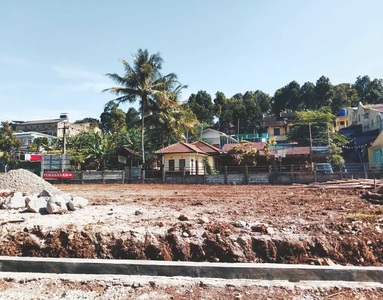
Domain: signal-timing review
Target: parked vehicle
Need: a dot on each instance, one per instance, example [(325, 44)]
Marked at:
[(324, 168)]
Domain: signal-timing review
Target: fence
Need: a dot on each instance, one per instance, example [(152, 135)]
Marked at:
[(281, 174)]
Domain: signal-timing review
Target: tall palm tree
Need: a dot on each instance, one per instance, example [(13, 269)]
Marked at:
[(144, 83)]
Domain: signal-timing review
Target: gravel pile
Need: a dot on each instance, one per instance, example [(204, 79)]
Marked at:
[(25, 182)]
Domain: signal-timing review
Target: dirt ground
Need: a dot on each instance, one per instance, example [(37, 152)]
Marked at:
[(253, 223), (15, 286), (282, 224)]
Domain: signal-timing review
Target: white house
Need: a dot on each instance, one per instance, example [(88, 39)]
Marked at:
[(27, 138), (217, 138), (187, 157)]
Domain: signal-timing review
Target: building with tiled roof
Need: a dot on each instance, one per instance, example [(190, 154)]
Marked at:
[(189, 158)]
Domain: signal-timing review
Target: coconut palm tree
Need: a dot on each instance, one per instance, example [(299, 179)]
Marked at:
[(143, 82)]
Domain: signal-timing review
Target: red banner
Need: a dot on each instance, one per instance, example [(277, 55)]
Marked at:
[(64, 175)]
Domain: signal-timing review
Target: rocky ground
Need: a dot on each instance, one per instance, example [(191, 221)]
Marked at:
[(47, 286), (204, 223), (283, 224)]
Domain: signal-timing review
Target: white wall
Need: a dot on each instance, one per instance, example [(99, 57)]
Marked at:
[(190, 162)]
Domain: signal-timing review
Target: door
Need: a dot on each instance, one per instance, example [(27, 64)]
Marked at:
[(196, 167)]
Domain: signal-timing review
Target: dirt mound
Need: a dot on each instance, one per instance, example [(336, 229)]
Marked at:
[(23, 181)]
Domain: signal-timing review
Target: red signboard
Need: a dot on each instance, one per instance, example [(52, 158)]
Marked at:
[(54, 175)]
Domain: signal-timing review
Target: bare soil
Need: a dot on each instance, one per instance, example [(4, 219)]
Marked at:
[(253, 223), (54, 286)]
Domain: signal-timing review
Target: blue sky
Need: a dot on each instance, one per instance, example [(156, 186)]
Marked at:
[(53, 54)]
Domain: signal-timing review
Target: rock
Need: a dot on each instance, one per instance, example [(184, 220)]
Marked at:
[(185, 234), (137, 212), (46, 193), (36, 204), (259, 228), (77, 203), (183, 218), (239, 224), (4, 194), (67, 197), (56, 205), (203, 220), (16, 201)]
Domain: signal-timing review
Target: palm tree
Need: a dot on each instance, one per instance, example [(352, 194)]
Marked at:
[(144, 83)]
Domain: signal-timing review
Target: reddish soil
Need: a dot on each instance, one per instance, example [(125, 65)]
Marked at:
[(260, 223)]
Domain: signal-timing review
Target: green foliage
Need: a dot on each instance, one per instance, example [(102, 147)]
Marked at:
[(267, 149), (112, 121), (143, 82), (202, 106), (8, 142), (315, 96), (321, 122), (369, 91), (132, 117), (337, 160), (207, 165), (287, 98), (93, 122), (245, 110), (338, 139), (91, 150), (38, 144), (244, 154)]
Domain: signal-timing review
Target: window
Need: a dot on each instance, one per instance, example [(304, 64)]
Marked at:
[(366, 116), (359, 118), (182, 164), (372, 123), (377, 156), (171, 164), (277, 131)]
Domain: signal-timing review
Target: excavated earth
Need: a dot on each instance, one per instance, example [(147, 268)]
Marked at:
[(262, 223)]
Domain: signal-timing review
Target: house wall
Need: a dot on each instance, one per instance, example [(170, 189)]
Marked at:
[(45, 128), (338, 123), (281, 137), (190, 162), (369, 118), (375, 156), (212, 137), (352, 116), (27, 138)]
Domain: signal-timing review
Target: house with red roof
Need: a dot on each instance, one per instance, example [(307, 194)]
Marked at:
[(189, 157)]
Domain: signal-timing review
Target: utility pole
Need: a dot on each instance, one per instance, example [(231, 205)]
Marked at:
[(311, 143), (238, 129), (328, 134), (64, 138)]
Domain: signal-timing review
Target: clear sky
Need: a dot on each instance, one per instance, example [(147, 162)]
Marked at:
[(54, 54)]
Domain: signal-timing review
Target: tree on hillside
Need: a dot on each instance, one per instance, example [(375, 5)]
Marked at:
[(264, 101), (369, 92), (307, 95), (323, 92), (219, 101), (287, 98), (244, 112), (202, 106), (144, 82), (343, 96)]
